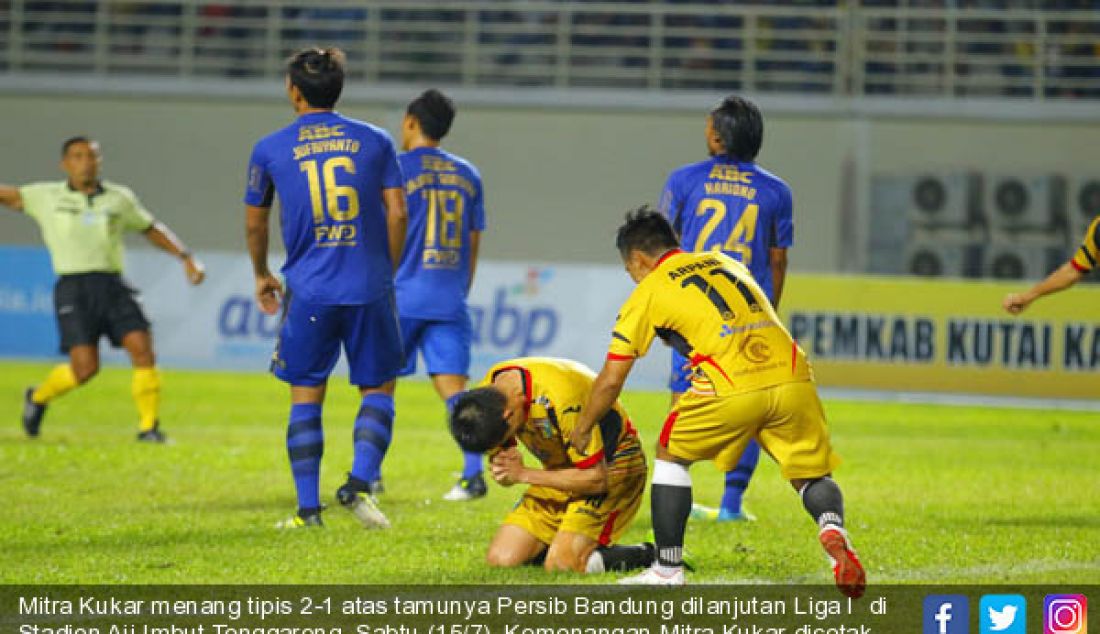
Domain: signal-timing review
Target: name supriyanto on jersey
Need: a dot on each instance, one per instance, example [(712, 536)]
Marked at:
[(323, 139)]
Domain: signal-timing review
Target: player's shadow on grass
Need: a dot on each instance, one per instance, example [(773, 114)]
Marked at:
[(1052, 521)]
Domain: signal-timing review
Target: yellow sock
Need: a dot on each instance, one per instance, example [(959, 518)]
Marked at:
[(146, 391), (61, 379)]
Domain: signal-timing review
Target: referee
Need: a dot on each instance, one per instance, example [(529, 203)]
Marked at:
[(82, 220)]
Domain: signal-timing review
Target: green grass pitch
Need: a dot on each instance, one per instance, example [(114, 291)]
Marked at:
[(934, 494)]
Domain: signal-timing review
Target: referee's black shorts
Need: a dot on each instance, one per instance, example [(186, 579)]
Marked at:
[(90, 305)]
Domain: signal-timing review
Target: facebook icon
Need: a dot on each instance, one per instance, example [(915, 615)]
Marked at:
[(946, 614)]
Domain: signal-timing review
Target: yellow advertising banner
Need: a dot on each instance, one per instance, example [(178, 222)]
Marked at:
[(917, 335)]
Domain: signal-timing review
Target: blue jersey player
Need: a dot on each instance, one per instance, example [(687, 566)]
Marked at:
[(731, 204), (446, 218), (343, 221)]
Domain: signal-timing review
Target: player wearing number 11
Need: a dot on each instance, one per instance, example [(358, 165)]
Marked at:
[(751, 381), (729, 203), (343, 219)]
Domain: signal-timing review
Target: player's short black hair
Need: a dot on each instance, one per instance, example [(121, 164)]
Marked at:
[(73, 140), (319, 74), (647, 230), (477, 420), (740, 126), (435, 112)]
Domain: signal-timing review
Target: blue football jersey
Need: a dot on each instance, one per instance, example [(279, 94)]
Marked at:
[(445, 205), (329, 172), (738, 208)]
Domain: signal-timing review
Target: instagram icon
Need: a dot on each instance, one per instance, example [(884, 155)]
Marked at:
[(1065, 614)]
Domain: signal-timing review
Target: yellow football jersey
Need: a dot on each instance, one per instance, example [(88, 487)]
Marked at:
[(556, 390), (708, 307), (1088, 255)]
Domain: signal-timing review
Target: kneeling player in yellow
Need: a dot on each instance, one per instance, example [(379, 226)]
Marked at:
[(749, 380), (577, 505)]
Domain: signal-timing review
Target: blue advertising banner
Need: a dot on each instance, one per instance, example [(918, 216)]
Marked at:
[(26, 303)]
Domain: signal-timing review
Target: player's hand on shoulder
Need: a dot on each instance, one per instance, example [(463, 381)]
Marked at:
[(1015, 303), (194, 269), (269, 293), (579, 440)]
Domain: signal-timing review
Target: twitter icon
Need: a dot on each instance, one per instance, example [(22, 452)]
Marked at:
[(1003, 614)]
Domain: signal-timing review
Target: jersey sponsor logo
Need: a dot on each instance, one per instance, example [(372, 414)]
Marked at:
[(437, 164), (756, 349), (335, 235), (730, 173), (546, 427), (320, 131)]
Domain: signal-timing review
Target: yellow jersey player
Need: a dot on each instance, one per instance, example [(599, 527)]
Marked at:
[(83, 220), (749, 380), (578, 504), (1083, 262)]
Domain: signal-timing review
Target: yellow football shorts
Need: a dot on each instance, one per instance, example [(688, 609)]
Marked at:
[(544, 512), (787, 419)]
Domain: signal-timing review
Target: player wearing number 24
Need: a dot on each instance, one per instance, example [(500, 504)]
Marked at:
[(343, 218)]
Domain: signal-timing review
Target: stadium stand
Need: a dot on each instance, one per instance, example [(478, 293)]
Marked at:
[(1028, 49)]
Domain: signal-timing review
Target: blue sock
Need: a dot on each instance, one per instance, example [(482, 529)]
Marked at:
[(738, 479), (471, 461), (471, 464), (373, 431), (305, 444)]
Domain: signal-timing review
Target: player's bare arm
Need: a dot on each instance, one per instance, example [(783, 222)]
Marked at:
[(475, 246), (507, 469), (269, 290), (605, 390), (1065, 276), (11, 198), (397, 221), (165, 239), (777, 260)]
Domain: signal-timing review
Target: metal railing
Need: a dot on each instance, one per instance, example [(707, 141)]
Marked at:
[(1040, 52)]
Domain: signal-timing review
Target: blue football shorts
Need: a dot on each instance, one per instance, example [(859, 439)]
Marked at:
[(312, 335), (679, 380), (445, 344)]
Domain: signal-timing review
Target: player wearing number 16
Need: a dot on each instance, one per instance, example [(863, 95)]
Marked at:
[(728, 203), (343, 219)]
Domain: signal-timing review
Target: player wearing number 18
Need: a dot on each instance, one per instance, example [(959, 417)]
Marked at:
[(446, 218), (728, 203), (343, 219)]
